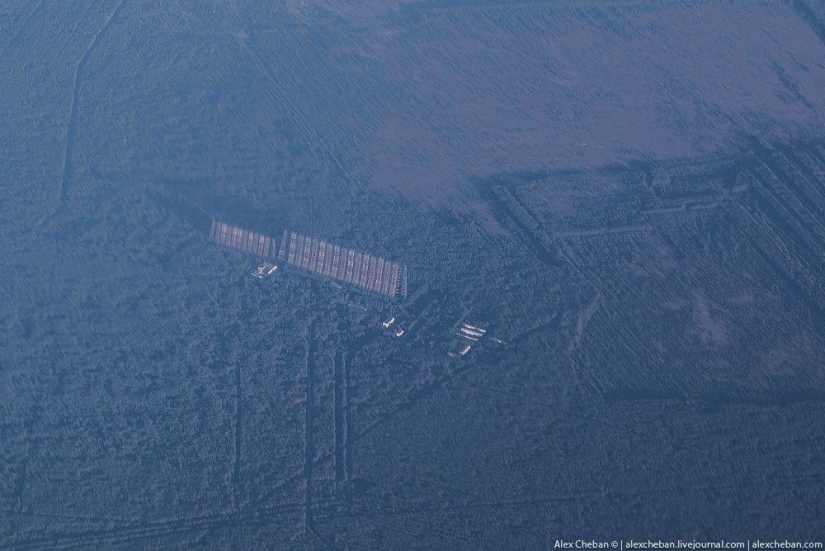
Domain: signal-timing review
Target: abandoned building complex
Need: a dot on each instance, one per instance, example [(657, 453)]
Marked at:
[(366, 271)]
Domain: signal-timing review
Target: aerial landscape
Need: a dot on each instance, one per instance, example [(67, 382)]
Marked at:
[(411, 274)]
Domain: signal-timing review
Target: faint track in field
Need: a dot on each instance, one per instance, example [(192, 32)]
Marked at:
[(71, 131), (25, 24), (138, 531), (304, 123)]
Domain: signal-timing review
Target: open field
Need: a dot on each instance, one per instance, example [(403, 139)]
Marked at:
[(628, 197)]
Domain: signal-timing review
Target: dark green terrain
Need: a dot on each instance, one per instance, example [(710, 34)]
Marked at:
[(628, 196)]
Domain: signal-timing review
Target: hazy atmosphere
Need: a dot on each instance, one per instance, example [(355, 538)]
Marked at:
[(381, 274)]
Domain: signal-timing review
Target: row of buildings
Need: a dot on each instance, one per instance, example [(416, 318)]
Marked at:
[(366, 271)]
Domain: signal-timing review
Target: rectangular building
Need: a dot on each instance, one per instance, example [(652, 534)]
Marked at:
[(241, 239), (366, 271)]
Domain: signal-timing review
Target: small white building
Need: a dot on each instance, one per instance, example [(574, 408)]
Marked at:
[(264, 270)]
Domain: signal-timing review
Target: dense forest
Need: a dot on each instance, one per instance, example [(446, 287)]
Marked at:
[(619, 206)]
